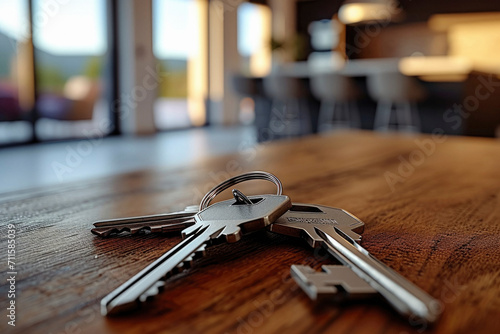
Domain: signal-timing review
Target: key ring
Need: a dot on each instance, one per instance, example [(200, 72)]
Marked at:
[(257, 175)]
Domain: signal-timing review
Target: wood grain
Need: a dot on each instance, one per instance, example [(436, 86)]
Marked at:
[(438, 226)]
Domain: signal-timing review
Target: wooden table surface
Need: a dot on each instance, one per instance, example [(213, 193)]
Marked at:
[(431, 208)]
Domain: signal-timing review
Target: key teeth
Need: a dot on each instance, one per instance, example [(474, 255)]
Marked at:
[(180, 268), (106, 232), (152, 291), (188, 262), (158, 286), (189, 230), (146, 228), (136, 230), (200, 252), (101, 233), (177, 270)]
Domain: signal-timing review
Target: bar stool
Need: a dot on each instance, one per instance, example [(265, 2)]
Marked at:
[(244, 85), (289, 112), (337, 94), (393, 89), (252, 87)]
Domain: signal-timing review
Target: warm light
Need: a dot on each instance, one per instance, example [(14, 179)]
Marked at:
[(443, 22), (247, 110), (77, 88), (479, 42), (357, 12), (430, 66), (197, 71), (352, 13), (444, 78), (24, 75), (216, 59), (260, 60), (473, 36)]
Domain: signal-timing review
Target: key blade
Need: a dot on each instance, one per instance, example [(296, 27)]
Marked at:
[(161, 223), (162, 226), (222, 221), (143, 219), (349, 239), (127, 296), (404, 296)]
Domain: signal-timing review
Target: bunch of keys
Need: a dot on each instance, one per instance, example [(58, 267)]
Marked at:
[(336, 230)]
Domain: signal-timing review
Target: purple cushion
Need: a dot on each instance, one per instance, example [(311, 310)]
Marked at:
[(9, 108), (53, 106)]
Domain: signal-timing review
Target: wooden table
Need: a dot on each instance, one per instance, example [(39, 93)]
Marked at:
[(431, 208)]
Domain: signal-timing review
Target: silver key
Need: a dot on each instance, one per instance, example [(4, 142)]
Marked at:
[(225, 221), (334, 282), (334, 229), (177, 221), (167, 222)]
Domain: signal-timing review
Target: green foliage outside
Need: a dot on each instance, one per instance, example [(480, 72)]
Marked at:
[(93, 68), (50, 79), (173, 83), (4, 67)]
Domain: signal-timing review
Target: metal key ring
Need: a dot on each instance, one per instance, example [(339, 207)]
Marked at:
[(257, 175)]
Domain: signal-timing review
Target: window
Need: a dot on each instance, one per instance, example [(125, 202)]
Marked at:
[(70, 44), (254, 38), (180, 47), (15, 72)]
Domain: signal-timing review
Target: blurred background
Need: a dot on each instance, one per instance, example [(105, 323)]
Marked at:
[(97, 87)]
